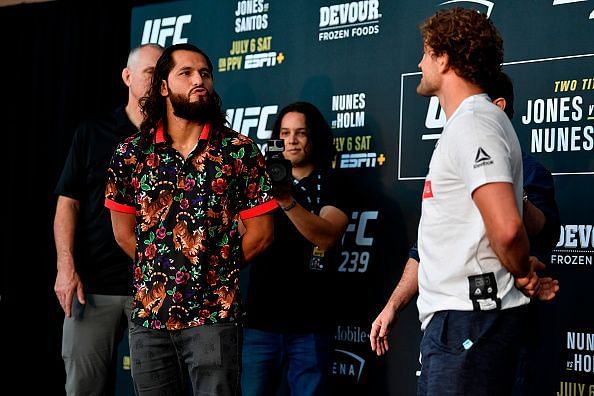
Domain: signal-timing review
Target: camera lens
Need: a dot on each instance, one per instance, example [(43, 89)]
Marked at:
[(278, 172)]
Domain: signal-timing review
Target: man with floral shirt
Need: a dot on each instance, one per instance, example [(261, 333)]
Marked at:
[(176, 192)]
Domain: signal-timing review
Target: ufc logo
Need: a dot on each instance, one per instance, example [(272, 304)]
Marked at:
[(158, 30), (243, 119), (435, 115), (358, 227)]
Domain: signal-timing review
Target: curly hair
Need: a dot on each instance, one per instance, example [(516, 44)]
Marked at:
[(471, 41), (320, 136), (153, 105)]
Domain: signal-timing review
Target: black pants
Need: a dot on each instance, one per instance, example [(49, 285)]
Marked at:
[(209, 356)]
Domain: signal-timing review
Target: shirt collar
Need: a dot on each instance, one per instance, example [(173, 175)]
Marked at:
[(160, 134)]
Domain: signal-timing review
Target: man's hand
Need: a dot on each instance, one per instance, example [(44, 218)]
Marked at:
[(67, 280), (548, 289), (380, 328), (68, 283), (406, 289), (533, 286), (282, 190)]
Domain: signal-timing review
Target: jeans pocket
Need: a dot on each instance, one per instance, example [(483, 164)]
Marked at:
[(135, 329), (442, 336), (215, 345), (230, 352)]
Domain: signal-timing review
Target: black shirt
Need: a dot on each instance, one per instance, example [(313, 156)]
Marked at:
[(286, 292), (540, 188), (103, 267)]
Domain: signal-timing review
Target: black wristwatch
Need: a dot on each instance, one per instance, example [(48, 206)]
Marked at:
[(289, 206)]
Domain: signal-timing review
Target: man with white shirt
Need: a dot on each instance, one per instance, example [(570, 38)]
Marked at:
[(476, 276)]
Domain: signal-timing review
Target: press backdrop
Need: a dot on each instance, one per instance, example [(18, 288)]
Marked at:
[(357, 61)]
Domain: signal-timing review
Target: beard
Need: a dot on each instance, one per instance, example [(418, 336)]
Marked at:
[(205, 109), (424, 89), (429, 85)]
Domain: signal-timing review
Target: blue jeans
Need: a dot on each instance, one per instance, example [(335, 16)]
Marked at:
[(206, 356), (305, 357), (484, 365)]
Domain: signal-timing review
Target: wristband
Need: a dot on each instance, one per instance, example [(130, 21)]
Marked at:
[(289, 206)]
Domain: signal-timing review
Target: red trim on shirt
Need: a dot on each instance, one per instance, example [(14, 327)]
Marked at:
[(205, 131), (113, 205), (427, 190), (160, 134), (261, 209)]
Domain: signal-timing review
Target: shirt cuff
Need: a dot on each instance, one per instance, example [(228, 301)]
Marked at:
[(259, 210), (117, 207)]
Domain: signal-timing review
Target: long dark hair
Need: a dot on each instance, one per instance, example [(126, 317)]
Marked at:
[(153, 104), (320, 136)]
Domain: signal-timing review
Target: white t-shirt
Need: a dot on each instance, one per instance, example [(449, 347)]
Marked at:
[(478, 146)]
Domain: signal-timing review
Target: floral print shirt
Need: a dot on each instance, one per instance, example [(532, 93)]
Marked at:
[(188, 247)]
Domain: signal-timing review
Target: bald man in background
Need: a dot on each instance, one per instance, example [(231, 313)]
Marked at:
[(94, 278)]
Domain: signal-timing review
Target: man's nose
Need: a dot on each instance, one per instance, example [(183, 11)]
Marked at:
[(197, 80)]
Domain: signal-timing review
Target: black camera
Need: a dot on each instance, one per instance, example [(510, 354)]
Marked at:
[(279, 168)]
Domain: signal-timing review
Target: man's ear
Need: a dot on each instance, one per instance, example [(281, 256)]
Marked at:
[(164, 90), (126, 76), (443, 62), (500, 102)]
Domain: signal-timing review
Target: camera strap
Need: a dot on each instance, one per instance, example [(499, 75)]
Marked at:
[(317, 260), (312, 201)]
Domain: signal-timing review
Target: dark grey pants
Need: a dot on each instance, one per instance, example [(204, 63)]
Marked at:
[(163, 361), (89, 343)]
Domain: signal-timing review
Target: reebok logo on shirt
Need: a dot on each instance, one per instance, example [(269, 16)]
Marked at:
[(482, 158)]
